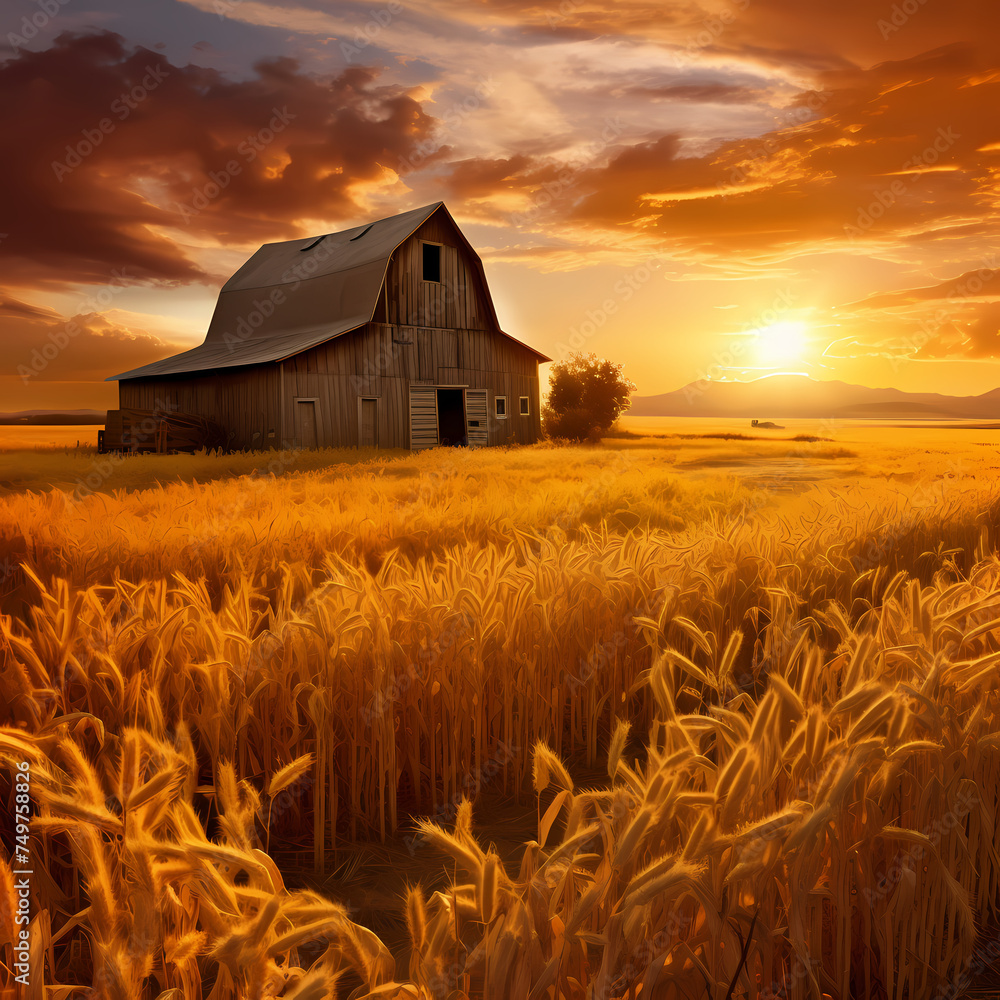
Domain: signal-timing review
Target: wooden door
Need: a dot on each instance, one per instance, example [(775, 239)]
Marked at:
[(476, 415), (305, 423), (423, 417), (368, 424)]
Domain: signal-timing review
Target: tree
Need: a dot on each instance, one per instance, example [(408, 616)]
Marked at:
[(587, 395)]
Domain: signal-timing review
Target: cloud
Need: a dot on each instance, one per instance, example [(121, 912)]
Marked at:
[(983, 333), (886, 158), (12, 308), (84, 347), (969, 333), (702, 93), (120, 157), (954, 319), (776, 32), (971, 284)]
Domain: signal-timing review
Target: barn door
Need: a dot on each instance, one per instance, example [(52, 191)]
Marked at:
[(305, 423), (423, 417), (475, 414), (368, 424)]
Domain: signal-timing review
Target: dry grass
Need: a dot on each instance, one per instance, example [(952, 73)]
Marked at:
[(833, 834), (796, 695)]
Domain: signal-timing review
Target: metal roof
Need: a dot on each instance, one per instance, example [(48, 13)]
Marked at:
[(291, 296)]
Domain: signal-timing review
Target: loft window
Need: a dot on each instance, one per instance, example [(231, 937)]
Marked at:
[(525, 407), (501, 406), (432, 262)]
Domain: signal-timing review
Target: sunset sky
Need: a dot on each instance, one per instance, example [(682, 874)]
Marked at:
[(719, 188)]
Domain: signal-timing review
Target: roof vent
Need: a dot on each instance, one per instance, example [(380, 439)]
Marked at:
[(314, 243), (362, 233)]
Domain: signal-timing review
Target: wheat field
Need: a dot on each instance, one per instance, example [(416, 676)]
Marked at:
[(744, 691)]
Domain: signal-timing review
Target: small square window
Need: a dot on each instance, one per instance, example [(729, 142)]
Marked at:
[(501, 406), (432, 262), (525, 407)]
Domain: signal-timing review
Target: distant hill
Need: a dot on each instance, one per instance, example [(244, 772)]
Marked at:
[(804, 397), (34, 417)]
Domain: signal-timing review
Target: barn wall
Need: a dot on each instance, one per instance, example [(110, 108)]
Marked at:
[(382, 360), (513, 429), (244, 401)]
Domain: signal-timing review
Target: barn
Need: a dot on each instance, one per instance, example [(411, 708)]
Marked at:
[(384, 335)]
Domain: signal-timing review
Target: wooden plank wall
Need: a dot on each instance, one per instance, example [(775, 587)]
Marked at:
[(243, 400), (512, 429), (383, 360), (378, 361), (456, 301)]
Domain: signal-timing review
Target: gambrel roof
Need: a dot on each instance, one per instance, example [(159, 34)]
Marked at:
[(291, 296)]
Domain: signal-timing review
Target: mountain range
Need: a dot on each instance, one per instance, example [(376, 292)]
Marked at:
[(47, 417), (791, 395)]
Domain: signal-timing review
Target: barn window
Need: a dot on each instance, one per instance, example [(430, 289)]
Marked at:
[(314, 243), (525, 407), (501, 406), (432, 262)]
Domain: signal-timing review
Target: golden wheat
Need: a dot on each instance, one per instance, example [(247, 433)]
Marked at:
[(811, 809)]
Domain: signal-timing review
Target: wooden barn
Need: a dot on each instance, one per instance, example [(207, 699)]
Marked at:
[(384, 335)]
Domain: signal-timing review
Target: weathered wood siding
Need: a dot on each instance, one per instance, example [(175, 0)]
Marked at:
[(458, 301), (245, 401), (382, 361), (379, 361)]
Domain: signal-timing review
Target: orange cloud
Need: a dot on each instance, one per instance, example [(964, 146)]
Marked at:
[(46, 347), (860, 169)]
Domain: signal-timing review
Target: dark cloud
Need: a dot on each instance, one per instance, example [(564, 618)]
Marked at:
[(11, 308), (701, 93), (109, 147), (483, 177)]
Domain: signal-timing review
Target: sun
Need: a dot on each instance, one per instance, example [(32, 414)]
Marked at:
[(781, 342)]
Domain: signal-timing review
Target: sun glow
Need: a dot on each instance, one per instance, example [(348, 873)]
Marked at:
[(781, 342)]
